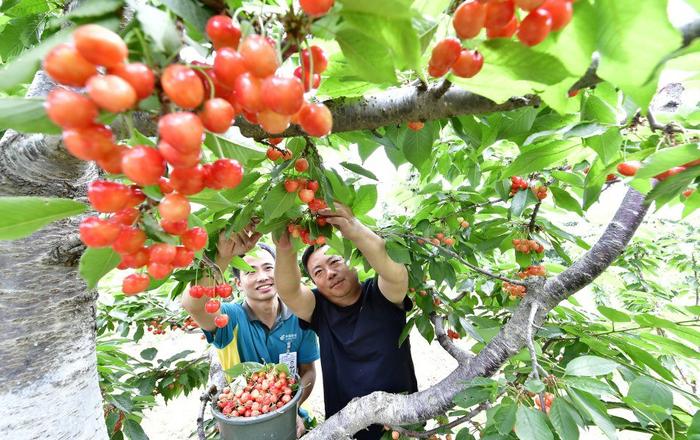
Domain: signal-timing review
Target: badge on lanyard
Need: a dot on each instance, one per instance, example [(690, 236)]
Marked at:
[(289, 359)]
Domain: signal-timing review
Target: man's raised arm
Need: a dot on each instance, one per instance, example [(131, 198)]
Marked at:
[(296, 296), (393, 276)]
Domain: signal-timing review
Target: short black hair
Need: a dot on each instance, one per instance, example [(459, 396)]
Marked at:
[(263, 246), (305, 258)]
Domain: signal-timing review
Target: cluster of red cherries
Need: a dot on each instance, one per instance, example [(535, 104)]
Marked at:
[(264, 392)]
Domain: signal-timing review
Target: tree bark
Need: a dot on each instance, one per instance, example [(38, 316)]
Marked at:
[(394, 410), (49, 387)]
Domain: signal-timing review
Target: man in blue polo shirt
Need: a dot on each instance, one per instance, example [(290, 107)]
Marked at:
[(261, 328)]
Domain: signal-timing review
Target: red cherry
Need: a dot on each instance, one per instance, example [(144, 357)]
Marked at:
[(182, 130), (223, 32), (221, 321), (212, 306), (468, 64), (316, 120), (194, 239), (301, 165), (321, 221), (260, 57), (629, 168), (273, 154), (308, 83), (672, 172), (162, 253), (183, 257), (320, 60), (283, 95), (688, 192), (174, 207), (316, 8), (111, 162), (312, 185), (67, 66), (306, 195), (126, 216), (274, 141), (143, 165), (111, 93), (499, 13), (138, 75), (469, 18), (291, 185), (528, 5), (135, 283), (209, 291), (129, 241), (416, 125), (692, 163), (272, 122), (196, 291), (90, 143), (228, 65), (226, 173), (176, 158), (506, 31), (445, 53), (224, 290), (535, 27), (106, 196), (159, 270), (164, 185), (250, 116), (187, 181), (174, 227), (96, 232), (248, 92), (561, 11), (183, 86), (68, 109), (99, 45), (217, 115)]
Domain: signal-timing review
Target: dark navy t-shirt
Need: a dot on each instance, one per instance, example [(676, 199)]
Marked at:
[(360, 350)]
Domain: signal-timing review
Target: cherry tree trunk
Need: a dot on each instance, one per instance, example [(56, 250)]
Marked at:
[(49, 387)]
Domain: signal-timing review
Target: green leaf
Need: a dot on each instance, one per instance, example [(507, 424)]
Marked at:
[(671, 187), (534, 386), (190, 11), (607, 145), (504, 418), (366, 56), (211, 199), (398, 252), (668, 158), (565, 200), (365, 199), (613, 314), (518, 203), (531, 425), (387, 8), (694, 429), (133, 430), (159, 26), (277, 202), (149, 353), (561, 417), (631, 42), (21, 216), (96, 263), (590, 385), (95, 8), (417, 146), (538, 156), (359, 170), (595, 410), (650, 392), (425, 327), (590, 366)]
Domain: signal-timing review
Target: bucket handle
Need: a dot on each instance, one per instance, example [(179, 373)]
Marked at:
[(205, 398)]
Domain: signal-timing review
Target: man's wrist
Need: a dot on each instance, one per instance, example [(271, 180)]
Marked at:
[(355, 230)]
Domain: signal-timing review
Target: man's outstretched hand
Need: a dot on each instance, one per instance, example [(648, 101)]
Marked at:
[(238, 243), (343, 219)]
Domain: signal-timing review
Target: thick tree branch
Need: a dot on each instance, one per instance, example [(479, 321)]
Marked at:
[(398, 105), (460, 355), (395, 410)]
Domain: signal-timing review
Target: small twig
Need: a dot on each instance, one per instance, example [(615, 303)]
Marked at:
[(669, 128), (207, 261), (465, 262), (460, 355), (442, 88), (205, 397), (533, 354), (458, 421), (533, 217)]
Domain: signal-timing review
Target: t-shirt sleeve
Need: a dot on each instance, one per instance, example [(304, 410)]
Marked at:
[(313, 324), (373, 285), (308, 350), (223, 336)]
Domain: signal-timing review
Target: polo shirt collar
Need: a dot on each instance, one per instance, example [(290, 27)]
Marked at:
[(283, 312)]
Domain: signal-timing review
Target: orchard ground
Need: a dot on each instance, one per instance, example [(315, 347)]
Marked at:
[(177, 419)]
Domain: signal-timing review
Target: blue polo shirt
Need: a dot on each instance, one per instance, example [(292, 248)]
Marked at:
[(246, 339)]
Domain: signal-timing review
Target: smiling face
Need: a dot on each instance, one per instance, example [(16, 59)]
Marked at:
[(259, 284), (334, 279)]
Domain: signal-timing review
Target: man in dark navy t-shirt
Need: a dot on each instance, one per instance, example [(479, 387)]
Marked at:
[(358, 324)]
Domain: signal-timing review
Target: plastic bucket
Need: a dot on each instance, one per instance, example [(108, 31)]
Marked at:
[(280, 424)]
